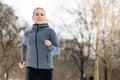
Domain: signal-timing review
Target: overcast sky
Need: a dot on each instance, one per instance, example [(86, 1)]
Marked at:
[(24, 8)]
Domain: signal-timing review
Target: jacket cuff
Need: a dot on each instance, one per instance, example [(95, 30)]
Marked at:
[(51, 47)]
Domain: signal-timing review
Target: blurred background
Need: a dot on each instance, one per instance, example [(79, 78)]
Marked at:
[(88, 31)]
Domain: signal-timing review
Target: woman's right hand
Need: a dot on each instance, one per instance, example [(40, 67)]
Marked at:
[(22, 65)]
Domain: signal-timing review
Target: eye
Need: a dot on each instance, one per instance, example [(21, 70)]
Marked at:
[(42, 14), (37, 14)]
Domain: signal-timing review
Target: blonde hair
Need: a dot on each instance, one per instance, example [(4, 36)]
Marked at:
[(38, 8)]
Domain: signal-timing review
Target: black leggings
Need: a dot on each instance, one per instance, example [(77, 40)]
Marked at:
[(38, 74)]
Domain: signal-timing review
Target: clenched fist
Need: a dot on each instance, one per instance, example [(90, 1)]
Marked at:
[(47, 42)]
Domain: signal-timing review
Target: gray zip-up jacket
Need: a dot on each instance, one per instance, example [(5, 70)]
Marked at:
[(34, 51)]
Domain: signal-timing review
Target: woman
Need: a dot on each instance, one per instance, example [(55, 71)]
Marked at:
[(37, 47)]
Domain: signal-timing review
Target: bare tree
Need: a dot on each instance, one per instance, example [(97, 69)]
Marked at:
[(9, 40), (87, 23), (106, 20), (80, 29)]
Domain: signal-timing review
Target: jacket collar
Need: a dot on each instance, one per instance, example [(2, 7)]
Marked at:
[(40, 26)]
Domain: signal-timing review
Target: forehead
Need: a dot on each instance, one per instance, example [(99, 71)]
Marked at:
[(39, 11)]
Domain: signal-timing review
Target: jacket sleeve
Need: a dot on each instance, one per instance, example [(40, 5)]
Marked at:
[(55, 47), (24, 48)]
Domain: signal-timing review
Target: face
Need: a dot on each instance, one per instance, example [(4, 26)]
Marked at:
[(39, 16)]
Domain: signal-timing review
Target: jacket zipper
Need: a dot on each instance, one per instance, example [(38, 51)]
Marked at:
[(47, 57), (36, 46)]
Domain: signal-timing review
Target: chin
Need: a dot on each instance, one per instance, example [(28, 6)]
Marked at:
[(39, 22)]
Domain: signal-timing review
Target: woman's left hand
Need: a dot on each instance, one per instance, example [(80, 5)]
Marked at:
[(47, 42)]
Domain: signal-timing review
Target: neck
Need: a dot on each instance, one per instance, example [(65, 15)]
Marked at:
[(42, 22)]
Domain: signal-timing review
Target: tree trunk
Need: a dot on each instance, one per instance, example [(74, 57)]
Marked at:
[(109, 72), (3, 75), (7, 75), (82, 63), (105, 73)]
